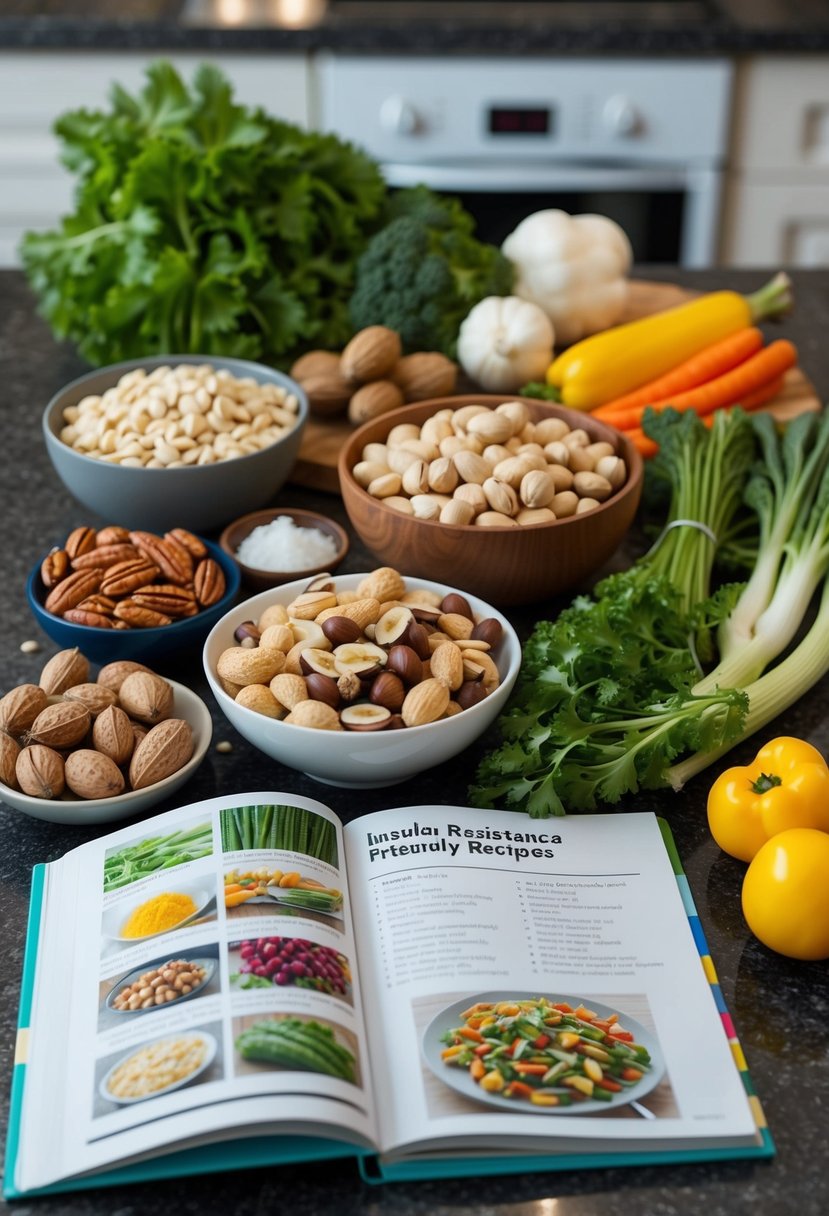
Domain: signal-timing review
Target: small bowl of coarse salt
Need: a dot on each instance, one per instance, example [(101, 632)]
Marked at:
[(277, 545)]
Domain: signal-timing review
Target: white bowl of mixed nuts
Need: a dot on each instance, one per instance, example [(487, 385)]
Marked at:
[(185, 440), (362, 679)]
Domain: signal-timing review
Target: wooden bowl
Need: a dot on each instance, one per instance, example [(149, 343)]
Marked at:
[(503, 565), (259, 580)]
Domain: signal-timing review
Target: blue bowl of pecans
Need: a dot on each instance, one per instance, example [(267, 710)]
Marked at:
[(127, 594)]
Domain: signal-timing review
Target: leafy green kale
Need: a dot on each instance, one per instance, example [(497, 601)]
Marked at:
[(609, 693), (202, 226), (423, 272)]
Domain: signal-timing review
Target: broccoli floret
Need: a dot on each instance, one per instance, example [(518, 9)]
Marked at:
[(423, 272)]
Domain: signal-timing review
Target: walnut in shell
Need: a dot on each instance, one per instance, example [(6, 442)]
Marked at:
[(94, 697), (112, 734), (163, 751), (61, 725), (9, 751), (112, 675), (90, 774), (64, 669), (39, 771), (20, 707), (146, 696)]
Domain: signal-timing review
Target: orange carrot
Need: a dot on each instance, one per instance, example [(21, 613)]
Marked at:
[(709, 363), (748, 378), (647, 447), (751, 401)]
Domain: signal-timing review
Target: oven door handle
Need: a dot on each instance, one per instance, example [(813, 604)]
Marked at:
[(504, 178)]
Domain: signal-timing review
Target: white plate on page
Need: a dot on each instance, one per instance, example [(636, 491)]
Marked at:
[(460, 1080), (210, 1049), (116, 917)]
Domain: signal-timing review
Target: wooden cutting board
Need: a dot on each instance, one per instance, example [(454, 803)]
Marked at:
[(316, 466)]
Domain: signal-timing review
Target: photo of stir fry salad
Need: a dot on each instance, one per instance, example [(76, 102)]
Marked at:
[(544, 1054)]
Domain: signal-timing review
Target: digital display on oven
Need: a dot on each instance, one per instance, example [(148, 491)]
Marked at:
[(520, 120)]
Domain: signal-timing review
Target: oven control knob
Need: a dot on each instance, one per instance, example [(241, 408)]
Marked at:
[(398, 116), (621, 116)]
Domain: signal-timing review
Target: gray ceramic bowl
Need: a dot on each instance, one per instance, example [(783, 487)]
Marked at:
[(198, 497)]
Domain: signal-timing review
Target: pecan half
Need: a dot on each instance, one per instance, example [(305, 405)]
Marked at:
[(54, 567), (98, 603), (125, 577), (193, 544), (167, 598), (107, 555), (209, 582), (174, 562), (80, 540), (85, 616), (112, 534), (139, 617), (70, 591)]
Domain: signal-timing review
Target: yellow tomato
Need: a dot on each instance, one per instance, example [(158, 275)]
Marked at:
[(786, 786), (786, 894)]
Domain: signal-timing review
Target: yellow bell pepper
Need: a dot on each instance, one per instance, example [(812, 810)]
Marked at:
[(619, 360), (786, 786)]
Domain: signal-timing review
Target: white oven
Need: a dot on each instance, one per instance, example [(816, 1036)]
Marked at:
[(643, 142)]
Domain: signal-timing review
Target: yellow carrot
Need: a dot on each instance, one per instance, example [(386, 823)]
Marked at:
[(619, 360)]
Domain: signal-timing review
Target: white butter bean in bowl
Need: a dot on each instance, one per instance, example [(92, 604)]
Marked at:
[(190, 440)]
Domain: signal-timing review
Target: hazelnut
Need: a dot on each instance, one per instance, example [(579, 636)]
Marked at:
[(406, 663), (387, 689)]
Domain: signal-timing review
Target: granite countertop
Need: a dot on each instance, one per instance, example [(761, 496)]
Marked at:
[(780, 1007), (536, 27)]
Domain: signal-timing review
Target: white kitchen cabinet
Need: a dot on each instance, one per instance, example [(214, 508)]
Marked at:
[(37, 86), (777, 189)]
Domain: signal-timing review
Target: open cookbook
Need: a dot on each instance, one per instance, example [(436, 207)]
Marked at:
[(433, 990)]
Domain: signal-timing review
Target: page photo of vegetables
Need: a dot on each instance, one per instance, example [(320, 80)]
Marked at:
[(158, 1066), (263, 963), (292, 1042), (150, 854), (290, 829), (163, 981), (542, 1054)]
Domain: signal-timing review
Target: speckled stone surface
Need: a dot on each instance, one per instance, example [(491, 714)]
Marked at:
[(781, 1008), (659, 27)]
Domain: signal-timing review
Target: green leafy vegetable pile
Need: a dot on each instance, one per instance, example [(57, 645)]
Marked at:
[(424, 271), (613, 695), (203, 226)]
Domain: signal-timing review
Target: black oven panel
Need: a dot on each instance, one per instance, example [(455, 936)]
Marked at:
[(522, 120)]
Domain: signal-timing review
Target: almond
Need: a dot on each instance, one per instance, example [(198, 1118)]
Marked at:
[(20, 707), (112, 734), (289, 689), (447, 665), (90, 774), (426, 702), (384, 583), (61, 725), (261, 700), (364, 611), (146, 696), (370, 355), (315, 714), (64, 669), (39, 771), (163, 751)]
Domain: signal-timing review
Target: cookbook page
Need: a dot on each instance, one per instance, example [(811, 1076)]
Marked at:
[(195, 976), (532, 980)]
